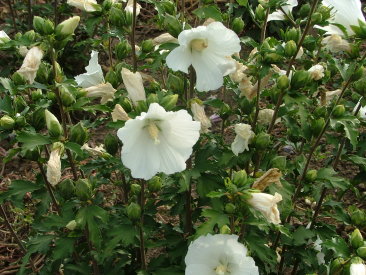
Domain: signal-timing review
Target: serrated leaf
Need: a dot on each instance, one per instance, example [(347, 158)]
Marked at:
[(350, 126), (242, 2), (339, 247), (330, 176), (358, 160), (6, 105), (32, 140), (214, 217), (302, 235), (63, 248), (18, 189), (208, 12)]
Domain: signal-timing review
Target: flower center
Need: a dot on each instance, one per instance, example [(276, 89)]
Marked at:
[(199, 45), (221, 270), (153, 131)]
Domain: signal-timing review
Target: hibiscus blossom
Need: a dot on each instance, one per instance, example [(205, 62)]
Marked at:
[(208, 50)]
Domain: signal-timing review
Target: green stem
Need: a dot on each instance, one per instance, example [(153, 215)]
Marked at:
[(141, 227), (289, 18), (133, 42)]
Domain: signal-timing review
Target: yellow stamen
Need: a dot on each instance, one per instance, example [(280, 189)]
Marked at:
[(221, 270), (153, 131), (199, 44)]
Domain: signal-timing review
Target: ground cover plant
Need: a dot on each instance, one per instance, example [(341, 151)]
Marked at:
[(182, 137)]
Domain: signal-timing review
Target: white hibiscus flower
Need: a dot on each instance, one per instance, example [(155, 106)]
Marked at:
[(267, 205), (158, 141), (279, 15), (93, 81), (346, 13), (244, 136), (219, 255), (208, 50)]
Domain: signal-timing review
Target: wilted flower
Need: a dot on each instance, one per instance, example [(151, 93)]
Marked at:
[(316, 72), (31, 64), (103, 90), (335, 43), (239, 73), (158, 141), (346, 13), (219, 254), (207, 49), (287, 8), (96, 151), (54, 166), (164, 38), (129, 7), (244, 136), (273, 175), (93, 81), (267, 205), (199, 115), (329, 95), (86, 5), (3, 37), (357, 269), (134, 85), (119, 113), (265, 116)]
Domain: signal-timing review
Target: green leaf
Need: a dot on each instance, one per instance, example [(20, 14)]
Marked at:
[(358, 160), (63, 248), (330, 176), (242, 2), (6, 106), (302, 235), (17, 190), (339, 246), (74, 147), (208, 12), (8, 84), (350, 126), (214, 217), (32, 140)]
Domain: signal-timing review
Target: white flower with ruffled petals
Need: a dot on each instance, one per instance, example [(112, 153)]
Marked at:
[(346, 13), (219, 254), (287, 8), (267, 205), (244, 136), (335, 43), (31, 64), (357, 269), (207, 49), (158, 141), (316, 72)]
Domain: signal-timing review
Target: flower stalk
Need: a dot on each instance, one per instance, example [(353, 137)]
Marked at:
[(141, 226), (133, 31)]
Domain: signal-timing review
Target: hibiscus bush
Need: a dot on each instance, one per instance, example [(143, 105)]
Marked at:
[(183, 137)]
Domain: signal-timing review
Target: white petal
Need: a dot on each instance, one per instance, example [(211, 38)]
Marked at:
[(239, 145), (179, 59), (200, 269), (246, 267), (221, 40), (93, 75)]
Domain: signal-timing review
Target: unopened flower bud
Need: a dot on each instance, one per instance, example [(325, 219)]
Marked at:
[(147, 45), (169, 102), (111, 144), (112, 77), (152, 98), (135, 189), (300, 79), (38, 119), (360, 30), (225, 110), (43, 26), (283, 82), (117, 17), (292, 34), (311, 175), (20, 121), (336, 266), (175, 83), (20, 104), (133, 211), (225, 230), (126, 104), (71, 225), (169, 7), (123, 49), (172, 25), (83, 189), (154, 184), (66, 188), (361, 251), (230, 208), (320, 111), (358, 217), (67, 97), (36, 94), (317, 126), (339, 111), (78, 134), (134, 85), (272, 58), (238, 25), (240, 178), (67, 27), (262, 141), (304, 10), (18, 79), (260, 13), (358, 74), (53, 125), (7, 123), (356, 239), (290, 48), (316, 18)]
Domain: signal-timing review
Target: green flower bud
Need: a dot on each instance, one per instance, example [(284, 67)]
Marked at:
[(123, 49), (230, 208), (141, 106), (336, 266), (246, 105), (260, 13), (283, 82), (290, 48), (83, 189), (53, 125), (151, 98), (339, 111), (354, 51), (311, 175), (112, 77), (43, 26), (225, 111), (7, 123), (107, 5), (67, 27), (262, 141), (356, 260), (279, 162), (135, 189), (30, 35), (358, 217), (20, 121), (126, 104), (133, 211), (317, 126), (111, 144), (67, 97), (175, 83), (225, 230), (147, 45), (154, 184), (71, 225), (325, 11), (239, 178), (304, 11), (169, 7), (316, 18), (272, 58), (356, 239), (310, 43), (117, 17), (238, 25), (44, 72), (38, 119), (37, 94), (360, 30), (230, 186), (78, 134), (172, 25), (293, 34), (320, 111), (361, 251), (19, 104), (18, 79), (357, 74), (300, 79), (66, 188), (169, 101)]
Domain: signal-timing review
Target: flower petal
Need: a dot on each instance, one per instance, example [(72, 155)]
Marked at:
[(179, 59), (93, 75)]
